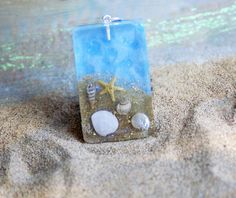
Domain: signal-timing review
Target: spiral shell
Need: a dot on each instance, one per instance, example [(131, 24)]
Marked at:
[(91, 92), (124, 106)]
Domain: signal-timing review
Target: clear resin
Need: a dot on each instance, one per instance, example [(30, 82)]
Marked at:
[(113, 81)]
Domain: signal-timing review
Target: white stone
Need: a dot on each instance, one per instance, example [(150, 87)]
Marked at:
[(104, 123), (140, 121)]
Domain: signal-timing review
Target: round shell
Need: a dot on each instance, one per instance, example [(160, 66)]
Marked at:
[(124, 106), (104, 123), (140, 121)]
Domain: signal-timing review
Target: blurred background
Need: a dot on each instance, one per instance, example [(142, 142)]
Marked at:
[(36, 55)]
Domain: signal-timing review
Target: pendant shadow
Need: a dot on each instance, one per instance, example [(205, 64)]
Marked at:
[(62, 112)]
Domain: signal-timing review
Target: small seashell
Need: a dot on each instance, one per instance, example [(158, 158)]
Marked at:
[(124, 106), (140, 121), (104, 123), (91, 91)]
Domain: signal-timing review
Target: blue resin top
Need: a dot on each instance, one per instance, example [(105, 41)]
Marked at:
[(124, 56)]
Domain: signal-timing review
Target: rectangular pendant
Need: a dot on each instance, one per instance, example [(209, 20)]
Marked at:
[(113, 81)]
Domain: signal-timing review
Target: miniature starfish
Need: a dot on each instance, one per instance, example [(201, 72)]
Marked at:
[(110, 88)]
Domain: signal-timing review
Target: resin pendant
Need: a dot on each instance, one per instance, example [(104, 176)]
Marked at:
[(113, 81)]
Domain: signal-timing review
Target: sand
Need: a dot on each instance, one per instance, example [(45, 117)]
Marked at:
[(191, 155)]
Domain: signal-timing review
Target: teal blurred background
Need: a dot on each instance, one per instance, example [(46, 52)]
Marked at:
[(36, 56)]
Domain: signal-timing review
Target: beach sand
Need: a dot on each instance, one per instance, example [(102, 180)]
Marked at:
[(193, 154)]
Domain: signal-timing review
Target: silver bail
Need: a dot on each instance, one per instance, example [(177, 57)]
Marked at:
[(107, 19)]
